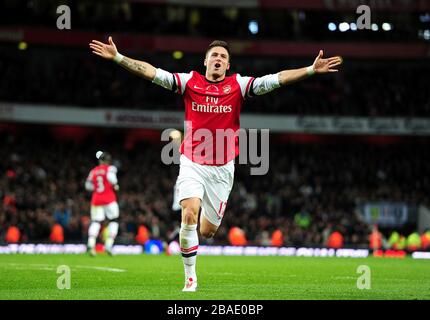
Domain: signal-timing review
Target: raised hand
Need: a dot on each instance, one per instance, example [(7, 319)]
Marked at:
[(104, 50), (326, 65)]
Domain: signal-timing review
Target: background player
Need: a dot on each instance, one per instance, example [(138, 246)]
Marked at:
[(212, 101), (102, 181)]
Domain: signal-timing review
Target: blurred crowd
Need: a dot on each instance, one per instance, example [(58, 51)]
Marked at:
[(242, 22), (311, 190), (43, 76)]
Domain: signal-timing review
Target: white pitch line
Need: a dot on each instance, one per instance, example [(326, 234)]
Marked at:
[(102, 268), (51, 267)]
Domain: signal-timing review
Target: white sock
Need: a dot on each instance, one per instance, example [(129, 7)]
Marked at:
[(108, 244), (113, 231), (189, 241), (93, 232)]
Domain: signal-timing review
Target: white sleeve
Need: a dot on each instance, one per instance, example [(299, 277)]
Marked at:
[(89, 186), (244, 83), (181, 81), (164, 79), (265, 84), (111, 175), (171, 81)]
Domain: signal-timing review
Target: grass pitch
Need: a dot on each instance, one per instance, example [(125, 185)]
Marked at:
[(220, 277)]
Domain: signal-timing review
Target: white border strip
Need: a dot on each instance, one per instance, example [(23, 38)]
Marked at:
[(421, 255), (63, 249), (174, 249), (273, 251)]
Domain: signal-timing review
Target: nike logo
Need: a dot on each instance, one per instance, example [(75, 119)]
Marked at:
[(195, 87)]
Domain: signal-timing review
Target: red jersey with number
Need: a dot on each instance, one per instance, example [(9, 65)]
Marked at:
[(104, 192), (212, 116)]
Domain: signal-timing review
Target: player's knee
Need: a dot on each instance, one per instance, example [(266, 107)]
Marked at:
[(207, 233), (189, 216)]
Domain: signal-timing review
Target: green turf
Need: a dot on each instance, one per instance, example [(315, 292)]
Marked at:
[(220, 277)]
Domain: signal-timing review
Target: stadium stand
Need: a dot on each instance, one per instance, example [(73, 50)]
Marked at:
[(315, 184), (42, 181)]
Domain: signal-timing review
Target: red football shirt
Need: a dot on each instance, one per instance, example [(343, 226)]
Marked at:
[(212, 115), (103, 193)]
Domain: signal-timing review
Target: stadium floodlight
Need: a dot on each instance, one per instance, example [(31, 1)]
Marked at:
[(302, 15), (22, 45), (344, 26), (178, 55), (426, 34), (332, 26), (253, 26), (387, 26), (353, 26), (375, 27), (425, 17)]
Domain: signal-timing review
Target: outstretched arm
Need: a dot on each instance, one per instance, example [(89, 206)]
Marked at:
[(320, 65), (270, 82), (110, 52)]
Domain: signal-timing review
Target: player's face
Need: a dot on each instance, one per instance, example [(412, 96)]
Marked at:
[(216, 61)]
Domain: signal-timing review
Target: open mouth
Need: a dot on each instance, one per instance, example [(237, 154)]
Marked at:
[(217, 65)]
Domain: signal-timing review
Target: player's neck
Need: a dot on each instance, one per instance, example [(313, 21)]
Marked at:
[(214, 77)]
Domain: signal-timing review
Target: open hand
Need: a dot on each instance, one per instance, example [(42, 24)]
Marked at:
[(104, 50), (326, 65)]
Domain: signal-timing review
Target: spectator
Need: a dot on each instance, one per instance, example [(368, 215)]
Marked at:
[(335, 240), (12, 235), (57, 234), (62, 214), (237, 237), (413, 241), (375, 239)]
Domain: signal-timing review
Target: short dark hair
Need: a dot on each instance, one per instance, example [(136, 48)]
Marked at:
[(106, 157), (219, 43)]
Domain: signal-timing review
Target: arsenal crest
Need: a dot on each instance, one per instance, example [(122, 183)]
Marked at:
[(226, 89)]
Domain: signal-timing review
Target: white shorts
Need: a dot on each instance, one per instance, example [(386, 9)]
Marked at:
[(211, 184), (109, 211)]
